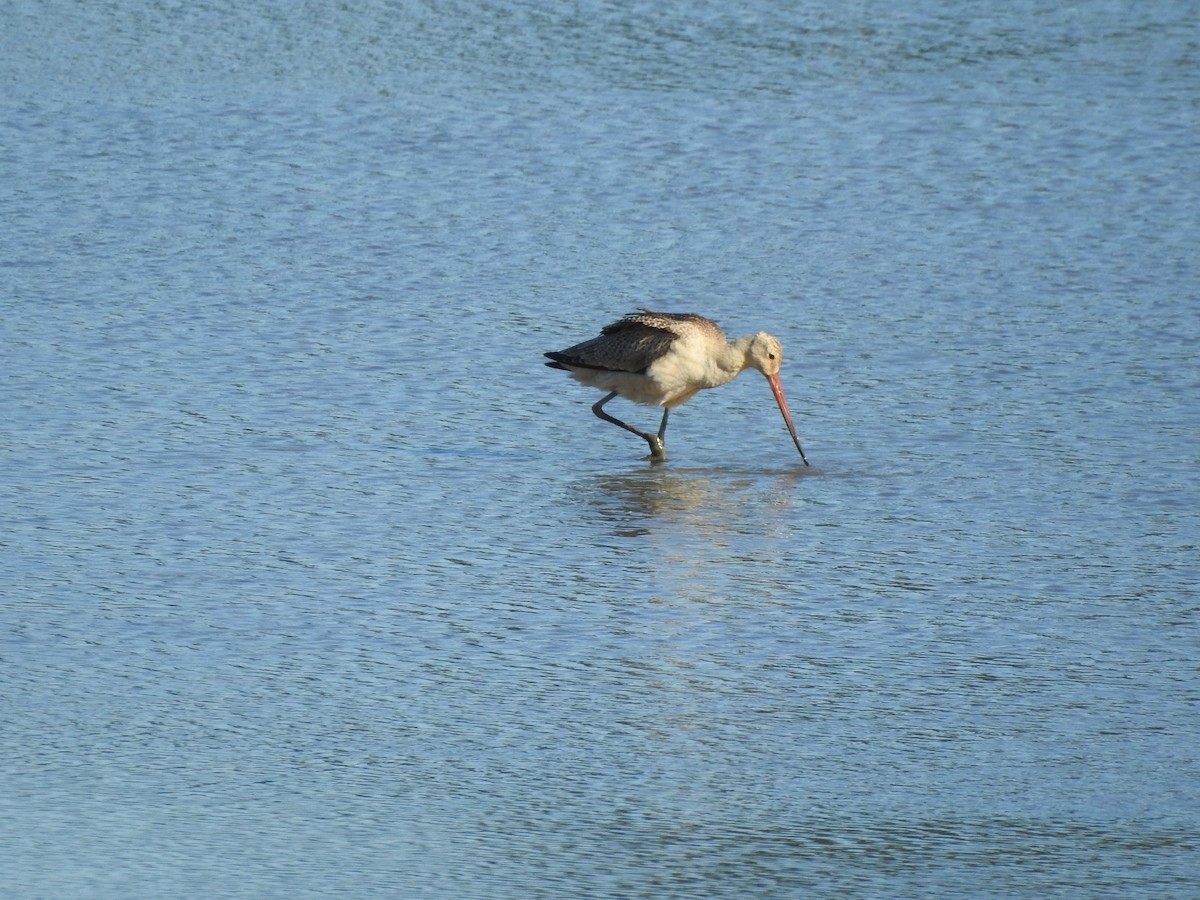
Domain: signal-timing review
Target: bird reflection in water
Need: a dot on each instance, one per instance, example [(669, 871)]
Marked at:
[(708, 504)]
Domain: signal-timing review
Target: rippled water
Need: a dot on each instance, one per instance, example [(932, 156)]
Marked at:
[(316, 582)]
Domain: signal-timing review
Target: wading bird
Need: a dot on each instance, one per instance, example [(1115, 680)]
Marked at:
[(662, 359)]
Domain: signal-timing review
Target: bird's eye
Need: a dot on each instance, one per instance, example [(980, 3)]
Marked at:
[(770, 356)]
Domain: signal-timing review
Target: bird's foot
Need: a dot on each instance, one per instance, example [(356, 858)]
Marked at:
[(658, 453)]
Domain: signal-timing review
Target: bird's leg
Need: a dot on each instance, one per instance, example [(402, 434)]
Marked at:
[(658, 447), (657, 453)]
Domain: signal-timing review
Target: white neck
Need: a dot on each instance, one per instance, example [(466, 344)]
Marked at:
[(729, 361), (735, 358)]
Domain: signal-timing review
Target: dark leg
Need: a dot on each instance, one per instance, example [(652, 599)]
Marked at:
[(657, 452), (662, 428)]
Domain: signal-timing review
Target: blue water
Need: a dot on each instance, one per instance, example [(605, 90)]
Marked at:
[(315, 582)]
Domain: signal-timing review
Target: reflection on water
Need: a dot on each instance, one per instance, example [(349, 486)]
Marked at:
[(708, 502), (710, 534)]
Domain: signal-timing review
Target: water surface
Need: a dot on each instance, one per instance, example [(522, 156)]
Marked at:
[(315, 581)]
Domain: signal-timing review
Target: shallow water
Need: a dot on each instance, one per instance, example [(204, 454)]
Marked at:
[(315, 581)]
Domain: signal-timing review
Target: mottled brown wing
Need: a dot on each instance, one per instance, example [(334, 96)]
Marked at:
[(625, 346), (675, 322)]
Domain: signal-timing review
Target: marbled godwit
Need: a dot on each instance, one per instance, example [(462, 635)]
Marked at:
[(662, 359)]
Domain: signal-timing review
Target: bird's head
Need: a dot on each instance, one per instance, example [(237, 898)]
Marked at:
[(765, 353)]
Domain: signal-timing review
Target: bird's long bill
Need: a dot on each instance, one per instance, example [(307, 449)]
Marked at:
[(777, 390)]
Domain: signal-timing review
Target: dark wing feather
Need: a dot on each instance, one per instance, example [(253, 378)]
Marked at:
[(628, 345)]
